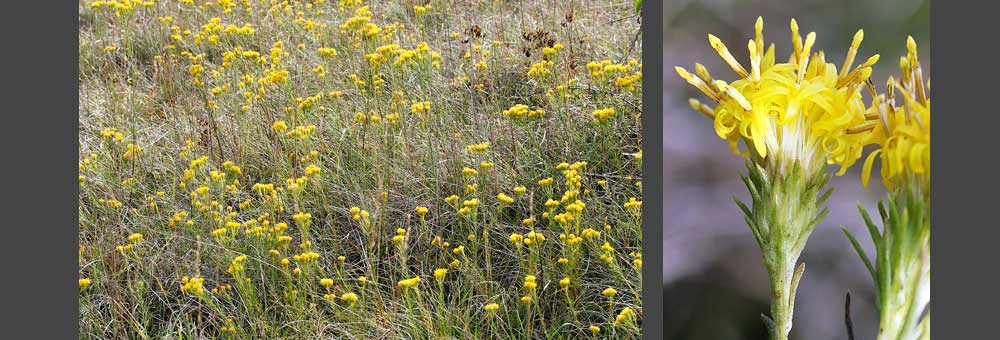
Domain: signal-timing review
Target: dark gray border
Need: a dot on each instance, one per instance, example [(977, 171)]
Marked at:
[(40, 158), (652, 169), (965, 233)]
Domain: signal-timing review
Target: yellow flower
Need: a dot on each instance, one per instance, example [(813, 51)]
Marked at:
[(84, 283), (564, 282), (604, 114), (526, 299), (279, 126), (192, 285), (326, 282), (609, 292), (440, 273), (625, 315), (503, 198), (528, 221), (132, 151), (349, 297), (633, 203), (491, 307), (533, 238), (422, 211), (409, 283), (801, 110), (903, 133), (136, 237)]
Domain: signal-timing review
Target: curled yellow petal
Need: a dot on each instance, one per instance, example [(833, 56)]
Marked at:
[(866, 170)]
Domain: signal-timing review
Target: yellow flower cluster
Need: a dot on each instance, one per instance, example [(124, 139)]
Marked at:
[(409, 283), (323, 102), (903, 133), (521, 110), (193, 285), (604, 114), (799, 110)]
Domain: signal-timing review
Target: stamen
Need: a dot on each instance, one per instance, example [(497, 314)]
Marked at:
[(859, 74), (754, 60), (759, 35), (918, 77), (735, 94), (796, 40), (698, 83), (804, 55), (704, 109), (851, 53), (861, 128), (728, 57), (702, 73)]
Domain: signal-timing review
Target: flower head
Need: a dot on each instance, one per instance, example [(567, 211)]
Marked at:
[(609, 292), (440, 273), (801, 110), (903, 133)]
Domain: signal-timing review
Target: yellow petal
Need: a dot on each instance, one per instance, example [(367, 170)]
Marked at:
[(866, 170), (917, 159)]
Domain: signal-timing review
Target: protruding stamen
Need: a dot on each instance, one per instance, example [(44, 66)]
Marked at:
[(702, 73), (735, 94), (918, 78), (759, 35), (859, 74), (796, 40), (698, 83), (754, 60), (861, 128), (728, 57), (904, 70), (851, 53), (704, 109), (803, 59)]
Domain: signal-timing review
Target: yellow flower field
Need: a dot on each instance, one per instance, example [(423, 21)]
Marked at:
[(264, 169)]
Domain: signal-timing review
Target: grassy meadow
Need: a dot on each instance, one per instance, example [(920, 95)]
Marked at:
[(264, 169)]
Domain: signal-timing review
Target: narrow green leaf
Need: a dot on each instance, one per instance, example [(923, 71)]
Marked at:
[(861, 252)]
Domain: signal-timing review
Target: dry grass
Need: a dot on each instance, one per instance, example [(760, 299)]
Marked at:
[(219, 190)]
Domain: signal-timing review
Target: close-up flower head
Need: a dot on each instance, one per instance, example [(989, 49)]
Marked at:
[(801, 110)]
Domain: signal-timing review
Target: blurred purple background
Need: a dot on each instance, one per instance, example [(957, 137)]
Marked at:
[(715, 283)]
